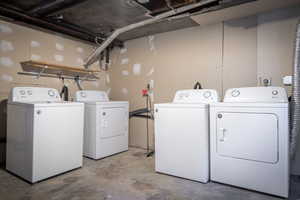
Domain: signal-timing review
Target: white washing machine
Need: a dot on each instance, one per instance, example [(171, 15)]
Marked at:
[(105, 124), (44, 134), (249, 140), (182, 135)]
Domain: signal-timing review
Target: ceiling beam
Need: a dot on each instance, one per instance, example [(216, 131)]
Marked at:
[(49, 7), (19, 16)]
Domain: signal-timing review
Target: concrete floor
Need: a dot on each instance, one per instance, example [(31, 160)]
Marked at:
[(126, 176)]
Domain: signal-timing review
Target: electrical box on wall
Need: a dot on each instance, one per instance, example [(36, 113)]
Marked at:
[(287, 80)]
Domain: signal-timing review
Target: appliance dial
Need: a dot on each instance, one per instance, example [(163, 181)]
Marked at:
[(83, 94), (22, 92), (51, 93), (207, 94), (274, 92), (235, 93)]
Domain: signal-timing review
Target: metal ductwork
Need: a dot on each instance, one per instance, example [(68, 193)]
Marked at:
[(93, 57), (295, 109)]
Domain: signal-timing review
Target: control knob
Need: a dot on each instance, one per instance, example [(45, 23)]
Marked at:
[(235, 93)]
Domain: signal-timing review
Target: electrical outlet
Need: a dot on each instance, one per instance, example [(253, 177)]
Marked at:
[(265, 81)]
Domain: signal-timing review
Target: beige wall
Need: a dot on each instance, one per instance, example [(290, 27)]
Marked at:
[(19, 43), (253, 47)]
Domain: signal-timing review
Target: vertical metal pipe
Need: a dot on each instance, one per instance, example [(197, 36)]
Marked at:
[(295, 109)]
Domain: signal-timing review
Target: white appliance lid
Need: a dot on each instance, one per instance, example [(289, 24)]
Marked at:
[(33, 94), (91, 96), (256, 95), (196, 96)]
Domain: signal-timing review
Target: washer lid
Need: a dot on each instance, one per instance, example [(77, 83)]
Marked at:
[(196, 96), (91, 96), (256, 95), (34, 94)]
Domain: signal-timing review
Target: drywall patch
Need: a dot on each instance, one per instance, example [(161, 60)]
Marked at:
[(6, 46), (59, 47), (6, 62), (80, 61), (6, 77), (150, 72), (108, 91), (151, 42), (123, 50), (124, 91), (35, 57), (125, 72), (124, 61), (35, 44), (107, 78), (96, 83), (5, 29), (137, 69), (59, 58), (79, 50)]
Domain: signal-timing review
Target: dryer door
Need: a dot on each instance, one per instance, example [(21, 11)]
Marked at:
[(113, 121), (249, 136)]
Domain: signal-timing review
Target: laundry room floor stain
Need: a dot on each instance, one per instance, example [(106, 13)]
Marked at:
[(125, 176)]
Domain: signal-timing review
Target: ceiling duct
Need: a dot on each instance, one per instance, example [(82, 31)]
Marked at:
[(93, 57)]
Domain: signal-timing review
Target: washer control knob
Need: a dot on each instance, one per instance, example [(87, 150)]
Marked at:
[(29, 92), (22, 92), (207, 94), (235, 93), (82, 94), (51, 93), (274, 92)]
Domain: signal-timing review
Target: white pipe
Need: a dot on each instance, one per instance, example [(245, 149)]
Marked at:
[(93, 57)]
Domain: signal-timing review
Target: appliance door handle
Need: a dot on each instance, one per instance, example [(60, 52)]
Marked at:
[(222, 134)]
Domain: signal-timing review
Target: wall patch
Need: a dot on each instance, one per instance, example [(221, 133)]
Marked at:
[(151, 42), (5, 29), (59, 58), (6, 77), (124, 61), (6, 46), (80, 61), (124, 91), (35, 57), (6, 62), (59, 47), (125, 72), (137, 69), (107, 78), (108, 91), (79, 50), (150, 72), (35, 44), (123, 50)]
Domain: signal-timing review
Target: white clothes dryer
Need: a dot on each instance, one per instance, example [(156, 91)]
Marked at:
[(249, 140), (105, 124)]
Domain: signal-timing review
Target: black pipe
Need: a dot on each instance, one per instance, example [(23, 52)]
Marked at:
[(46, 8), (44, 23)]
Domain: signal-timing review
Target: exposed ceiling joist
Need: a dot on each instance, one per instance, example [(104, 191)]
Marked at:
[(49, 7)]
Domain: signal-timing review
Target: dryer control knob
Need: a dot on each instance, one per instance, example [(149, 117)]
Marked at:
[(207, 94), (82, 94), (51, 93), (235, 93), (274, 92), (22, 92)]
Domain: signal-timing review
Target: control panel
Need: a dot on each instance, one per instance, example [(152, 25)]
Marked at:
[(34, 94), (196, 96), (256, 95), (91, 96)]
